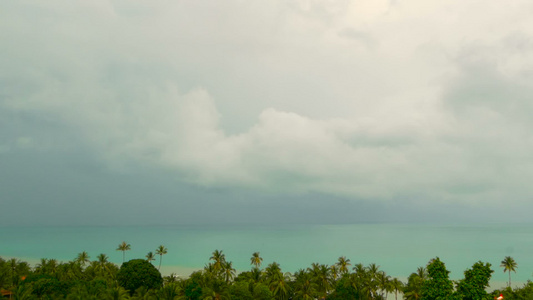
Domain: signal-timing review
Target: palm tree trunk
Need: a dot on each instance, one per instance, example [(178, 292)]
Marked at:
[(509, 278), (160, 259)]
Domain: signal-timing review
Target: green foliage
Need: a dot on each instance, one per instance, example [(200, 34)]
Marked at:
[(100, 279), (343, 264), (396, 286), (4, 271), (413, 289), (476, 280), (115, 293), (216, 289), (345, 289), (438, 286), (277, 281), (169, 291), (12, 271), (256, 259), (193, 286), (261, 292), (138, 272), (304, 286), (48, 286), (22, 292), (241, 291), (519, 293)]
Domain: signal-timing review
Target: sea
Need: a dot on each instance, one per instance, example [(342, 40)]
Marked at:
[(399, 249)]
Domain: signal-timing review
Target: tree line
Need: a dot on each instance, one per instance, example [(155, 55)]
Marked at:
[(83, 278)]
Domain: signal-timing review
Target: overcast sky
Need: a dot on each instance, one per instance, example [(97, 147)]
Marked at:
[(138, 112)]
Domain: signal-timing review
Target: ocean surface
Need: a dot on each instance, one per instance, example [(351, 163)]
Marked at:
[(399, 249)]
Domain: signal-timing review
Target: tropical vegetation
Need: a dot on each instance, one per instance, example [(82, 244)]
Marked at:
[(83, 278)]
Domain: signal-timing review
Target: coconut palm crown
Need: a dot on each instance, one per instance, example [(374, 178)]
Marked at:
[(509, 264), (124, 247), (161, 250), (256, 260)]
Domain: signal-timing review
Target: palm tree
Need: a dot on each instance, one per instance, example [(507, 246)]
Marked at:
[(143, 293), (218, 259), (397, 286), (273, 271), (173, 277), (256, 260), (16, 269), (343, 264), (124, 247), (373, 283), (83, 258), (280, 287), (255, 275), (334, 272), (161, 250), (321, 276), (102, 263), (304, 287), (102, 258), (359, 269), (305, 290), (360, 278), (23, 292), (277, 281), (413, 289), (169, 291), (150, 257), (509, 264), (384, 282), (229, 271), (422, 272), (117, 293), (46, 266)]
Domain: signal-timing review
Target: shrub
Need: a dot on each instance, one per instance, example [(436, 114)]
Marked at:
[(138, 273)]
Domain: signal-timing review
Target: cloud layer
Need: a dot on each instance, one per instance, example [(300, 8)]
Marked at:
[(376, 100)]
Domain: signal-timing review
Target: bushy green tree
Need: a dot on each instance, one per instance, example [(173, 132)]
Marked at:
[(473, 286), (438, 286), (138, 272)]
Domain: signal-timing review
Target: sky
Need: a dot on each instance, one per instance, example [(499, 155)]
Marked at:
[(304, 111)]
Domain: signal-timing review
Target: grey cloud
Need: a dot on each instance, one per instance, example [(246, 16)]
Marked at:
[(277, 97)]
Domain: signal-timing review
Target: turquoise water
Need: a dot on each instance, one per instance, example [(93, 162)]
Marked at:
[(398, 248)]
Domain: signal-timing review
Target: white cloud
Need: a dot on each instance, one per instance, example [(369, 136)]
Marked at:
[(364, 99)]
